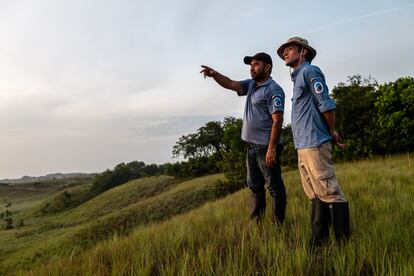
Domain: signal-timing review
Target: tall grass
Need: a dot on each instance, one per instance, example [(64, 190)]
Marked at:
[(219, 239), (115, 212)]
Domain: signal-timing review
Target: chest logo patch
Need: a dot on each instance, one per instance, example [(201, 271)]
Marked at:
[(318, 87)]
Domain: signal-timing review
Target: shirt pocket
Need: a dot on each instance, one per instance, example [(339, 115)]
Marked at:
[(298, 92)]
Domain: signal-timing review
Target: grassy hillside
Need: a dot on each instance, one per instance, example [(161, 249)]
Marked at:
[(24, 196), (219, 239), (116, 211)]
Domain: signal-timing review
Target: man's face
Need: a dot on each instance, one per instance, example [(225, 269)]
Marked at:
[(291, 55), (258, 70)]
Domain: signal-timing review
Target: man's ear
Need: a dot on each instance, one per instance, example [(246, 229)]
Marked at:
[(304, 52), (268, 67)]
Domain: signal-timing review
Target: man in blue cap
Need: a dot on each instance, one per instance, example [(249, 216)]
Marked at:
[(313, 126), (262, 123)]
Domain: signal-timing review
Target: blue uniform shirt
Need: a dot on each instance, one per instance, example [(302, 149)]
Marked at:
[(261, 102), (310, 100)]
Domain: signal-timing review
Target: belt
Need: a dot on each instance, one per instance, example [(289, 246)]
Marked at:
[(255, 146)]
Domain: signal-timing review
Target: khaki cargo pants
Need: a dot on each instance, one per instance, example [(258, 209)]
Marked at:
[(318, 174)]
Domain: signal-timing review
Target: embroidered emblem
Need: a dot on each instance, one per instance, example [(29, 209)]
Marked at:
[(318, 87), (277, 101)]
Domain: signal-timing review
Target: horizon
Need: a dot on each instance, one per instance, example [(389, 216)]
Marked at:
[(88, 85), (49, 174)]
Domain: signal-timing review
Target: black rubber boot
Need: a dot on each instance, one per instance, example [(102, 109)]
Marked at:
[(258, 207), (278, 209), (340, 220), (320, 219)]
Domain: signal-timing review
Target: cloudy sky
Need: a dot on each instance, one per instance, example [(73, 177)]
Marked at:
[(85, 85)]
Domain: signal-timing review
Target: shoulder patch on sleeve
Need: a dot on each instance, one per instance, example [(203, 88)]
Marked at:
[(318, 87), (317, 83), (277, 101)]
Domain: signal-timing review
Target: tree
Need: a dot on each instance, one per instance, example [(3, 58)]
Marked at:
[(9, 223), (149, 170), (205, 142), (289, 155), (233, 163), (202, 149), (123, 173), (232, 134), (355, 115), (7, 217), (395, 117)]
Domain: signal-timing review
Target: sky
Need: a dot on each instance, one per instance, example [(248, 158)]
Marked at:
[(86, 85)]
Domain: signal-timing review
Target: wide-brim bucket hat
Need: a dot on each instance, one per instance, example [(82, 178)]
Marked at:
[(298, 41)]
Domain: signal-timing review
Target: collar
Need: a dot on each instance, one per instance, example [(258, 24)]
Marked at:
[(297, 70), (269, 80)]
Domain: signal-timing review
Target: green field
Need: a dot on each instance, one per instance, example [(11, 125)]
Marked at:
[(161, 226), (70, 224)]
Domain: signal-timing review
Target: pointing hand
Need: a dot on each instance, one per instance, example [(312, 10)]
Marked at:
[(208, 71)]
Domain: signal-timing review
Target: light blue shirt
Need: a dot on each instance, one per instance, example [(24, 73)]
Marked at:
[(261, 102), (310, 99)]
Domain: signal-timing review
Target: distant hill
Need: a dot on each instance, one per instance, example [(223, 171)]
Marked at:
[(53, 176)]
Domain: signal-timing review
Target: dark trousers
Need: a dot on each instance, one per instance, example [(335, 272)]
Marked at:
[(258, 173)]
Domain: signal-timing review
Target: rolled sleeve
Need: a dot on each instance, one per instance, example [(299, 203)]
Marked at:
[(319, 89)]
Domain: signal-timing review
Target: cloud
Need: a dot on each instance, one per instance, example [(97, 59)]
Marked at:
[(358, 18), (175, 126), (87, 84)]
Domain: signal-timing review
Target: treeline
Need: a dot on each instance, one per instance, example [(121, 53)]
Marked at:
[(123, 173), (373, 119)]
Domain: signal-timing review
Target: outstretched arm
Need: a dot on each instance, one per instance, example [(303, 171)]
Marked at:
[(224, 81)]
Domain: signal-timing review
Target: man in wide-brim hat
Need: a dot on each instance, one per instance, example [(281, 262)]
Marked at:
[(313, 126), (298, 41)]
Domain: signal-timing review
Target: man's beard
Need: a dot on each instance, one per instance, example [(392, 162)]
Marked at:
[(260, 76)]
